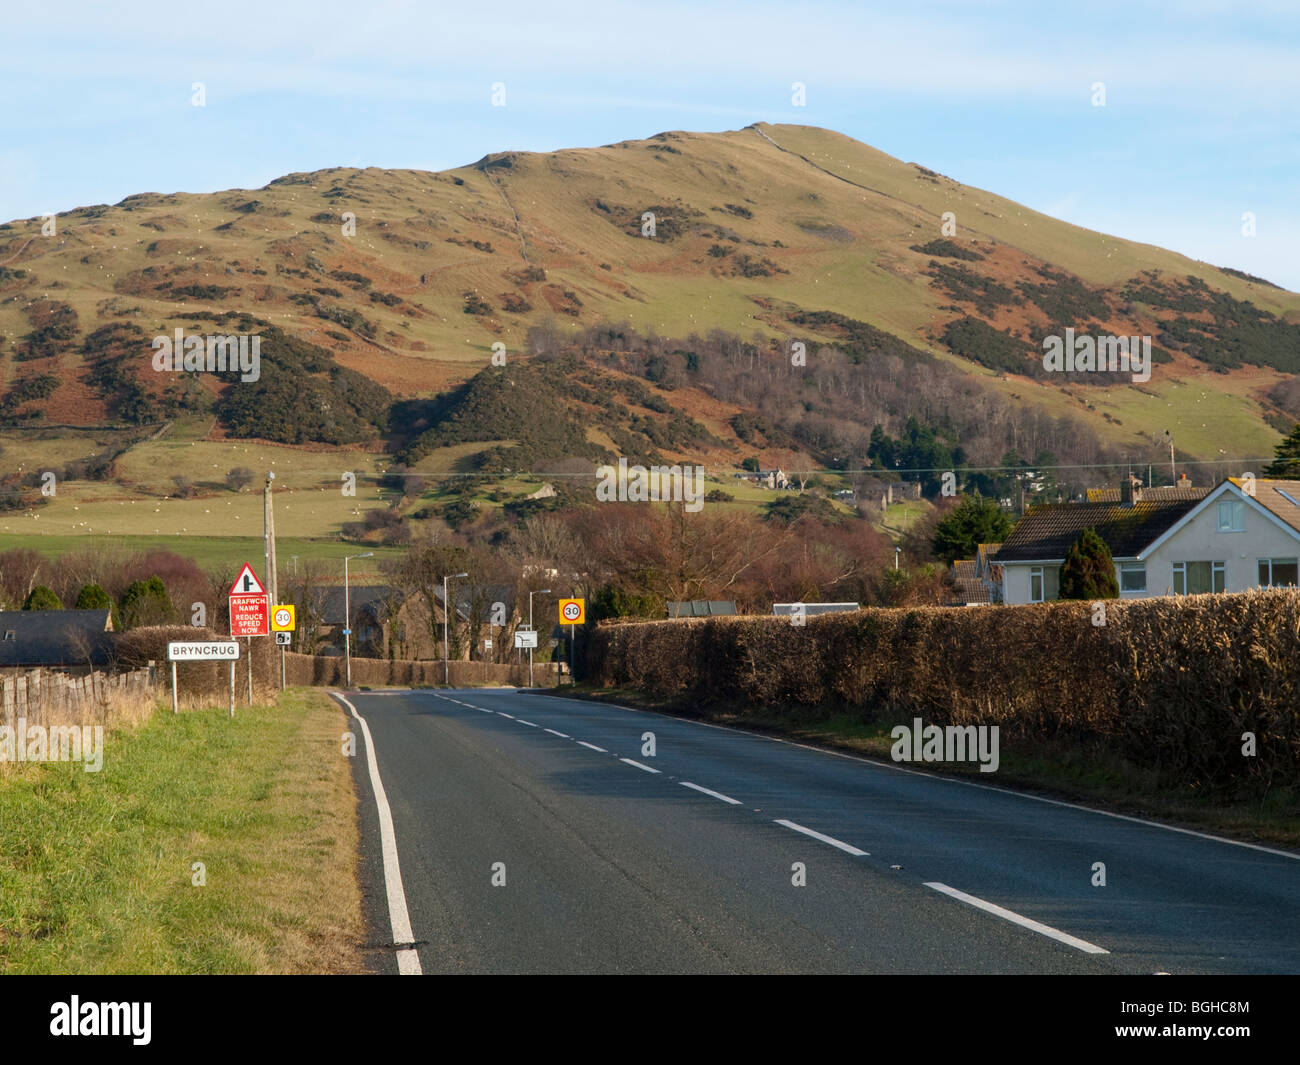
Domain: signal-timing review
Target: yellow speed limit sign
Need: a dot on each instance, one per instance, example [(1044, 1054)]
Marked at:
[(282, 619), (573, 611)]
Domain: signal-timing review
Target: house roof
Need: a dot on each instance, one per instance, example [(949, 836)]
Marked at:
[(964, 569), (330, 601), (55, 637), (1159, 494), (1273, 495), (701, 608), (972, 590), (1048, 531)]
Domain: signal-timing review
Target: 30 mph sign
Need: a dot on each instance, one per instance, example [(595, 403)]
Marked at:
[(249, 609), (573, 611)]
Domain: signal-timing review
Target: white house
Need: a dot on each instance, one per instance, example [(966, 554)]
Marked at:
[(1241, 534)]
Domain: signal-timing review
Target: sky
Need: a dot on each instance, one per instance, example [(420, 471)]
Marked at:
[(1200, 123)]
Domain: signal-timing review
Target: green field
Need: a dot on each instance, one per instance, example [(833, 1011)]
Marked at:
[(97, 869)]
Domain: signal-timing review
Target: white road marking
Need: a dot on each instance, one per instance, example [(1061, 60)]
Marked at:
[(586, 704), (1024, 922), (528, 723), (709, 791), (408, 960), (584, 743), (504, 714), (647, 768), (484, 709), (562, 735), (848, 848)]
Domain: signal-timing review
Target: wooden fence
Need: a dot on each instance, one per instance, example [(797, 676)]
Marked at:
[(46, 698)]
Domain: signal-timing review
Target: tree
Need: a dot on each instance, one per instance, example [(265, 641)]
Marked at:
[(42, 598), (1286, 457), (975, 521), (146, 603), (239, 478), (1089, 570), (92, 597)]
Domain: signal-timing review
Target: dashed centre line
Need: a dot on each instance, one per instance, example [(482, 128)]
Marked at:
[(1015, 918), (528, 723), (848, 848), (639, 765), (711, 792), (584, 743), (562, 735)]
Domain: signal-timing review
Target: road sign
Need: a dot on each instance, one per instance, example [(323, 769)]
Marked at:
[(524, 638), (283, 638), (283, 619), (573, 611), (202, 651), (487, 645), (249, 608)]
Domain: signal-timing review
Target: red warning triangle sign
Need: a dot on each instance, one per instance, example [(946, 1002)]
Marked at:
[(247, 583)]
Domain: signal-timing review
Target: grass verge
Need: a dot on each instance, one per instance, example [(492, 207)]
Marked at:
[(96, 868), (1058, 771)]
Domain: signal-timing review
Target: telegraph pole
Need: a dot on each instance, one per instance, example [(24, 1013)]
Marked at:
[(268, 524)]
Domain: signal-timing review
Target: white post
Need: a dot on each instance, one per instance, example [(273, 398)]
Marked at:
[(232, 687), (175, 708)]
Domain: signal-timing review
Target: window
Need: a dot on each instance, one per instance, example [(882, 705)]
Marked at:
[(1198, 578), (1036, 584), (1133, 577), (1279, 573), (11, 634), (1232, 516)]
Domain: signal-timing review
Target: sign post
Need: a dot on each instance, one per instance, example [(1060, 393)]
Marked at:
[(573, 612), (203, 651), (527, 637), (283, 623), (249, 614)]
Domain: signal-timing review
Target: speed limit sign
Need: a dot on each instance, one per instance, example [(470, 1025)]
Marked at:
[(573, 611), (282, 618)]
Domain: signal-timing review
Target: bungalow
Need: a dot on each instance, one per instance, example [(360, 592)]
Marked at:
[(969, 590), (1180, 540), (72, 641)]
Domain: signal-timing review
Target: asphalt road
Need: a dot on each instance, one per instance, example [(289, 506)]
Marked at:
[(530, 834)]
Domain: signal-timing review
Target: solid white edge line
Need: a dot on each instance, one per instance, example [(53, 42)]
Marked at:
[(848, 848), (647, 768), (710, 791), (584, 743), (562, 735), (408, 959), (874, 763), (1015, 918)]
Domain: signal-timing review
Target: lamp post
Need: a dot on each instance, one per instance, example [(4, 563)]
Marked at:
[(446, 611), (896, 551), (543, 591), (347, 619)]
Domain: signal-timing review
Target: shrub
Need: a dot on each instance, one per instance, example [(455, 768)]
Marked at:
[(42, 598), (1089, 570)]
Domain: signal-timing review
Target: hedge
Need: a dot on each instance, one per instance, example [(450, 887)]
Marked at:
[(1167, 684)]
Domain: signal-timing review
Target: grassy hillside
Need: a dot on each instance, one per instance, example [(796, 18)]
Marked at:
[(373, 287)]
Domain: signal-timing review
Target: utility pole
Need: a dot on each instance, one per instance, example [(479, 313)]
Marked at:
[(268, 528)]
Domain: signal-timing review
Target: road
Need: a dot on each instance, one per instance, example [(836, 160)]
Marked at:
[(527, 833)]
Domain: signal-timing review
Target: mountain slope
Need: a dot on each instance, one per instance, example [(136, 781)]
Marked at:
[(759, 231)]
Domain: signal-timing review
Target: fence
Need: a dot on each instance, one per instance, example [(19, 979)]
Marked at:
[(328, 671), (45, 698)]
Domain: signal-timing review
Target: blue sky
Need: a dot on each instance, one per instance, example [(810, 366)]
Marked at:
[(1200, 124)]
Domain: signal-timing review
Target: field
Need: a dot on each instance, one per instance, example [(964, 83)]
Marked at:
[(97, 870)]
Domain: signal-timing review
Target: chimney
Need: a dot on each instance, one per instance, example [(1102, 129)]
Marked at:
[(1130, 490), (1184, 481)]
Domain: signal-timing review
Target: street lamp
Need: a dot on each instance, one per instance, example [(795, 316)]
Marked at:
[(446, 608), (896, 550), (347, 619), (542, 591)]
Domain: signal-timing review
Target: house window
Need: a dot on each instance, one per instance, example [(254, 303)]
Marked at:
[(1133, 577), (1198, 578), (11, 634), (1036, 584), (1279, 573), (1232, 516)]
